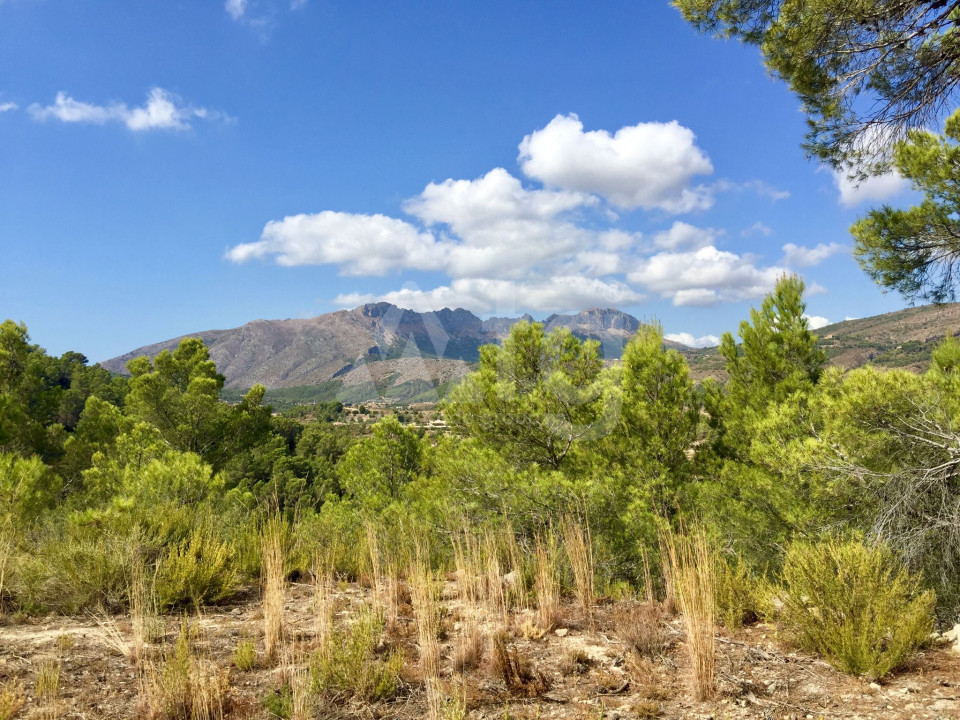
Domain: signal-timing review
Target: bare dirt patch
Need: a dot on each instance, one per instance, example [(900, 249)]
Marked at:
[(581, 669)]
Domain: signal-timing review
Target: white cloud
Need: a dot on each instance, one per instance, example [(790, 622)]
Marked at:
[(705, 277), (758, 228), (850, 317), (236, 8), (815, 322), (359, 244), (683, 235), (505, 247), (685, 338), (162, 111), (767, 190), (648, 165), (875, 188), (802, 256), (8, 107), (486, 295)]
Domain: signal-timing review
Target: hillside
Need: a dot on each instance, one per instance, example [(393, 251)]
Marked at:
[(902, 339), (376, 350), (380, 351)]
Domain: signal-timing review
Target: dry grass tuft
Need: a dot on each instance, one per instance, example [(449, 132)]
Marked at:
[(647, 709), (376, 568), (546, 584), (575, 662), (296, 671), (182, 686), (48, 688), (12, 698), (274, 586), (641, 627), (423, 592), (647, 577), (323, 601), (516, 671), (497, 600), (693, 566), (579, 547), (469, 653), (142, 612)]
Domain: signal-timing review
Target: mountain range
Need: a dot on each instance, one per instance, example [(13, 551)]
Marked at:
[(379, 350)]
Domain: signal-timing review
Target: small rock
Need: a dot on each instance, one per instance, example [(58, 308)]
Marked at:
[(561, 632), (511, 578), (875, 686), (236, 612)]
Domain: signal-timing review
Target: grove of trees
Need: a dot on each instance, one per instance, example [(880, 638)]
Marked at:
[(99, 472)]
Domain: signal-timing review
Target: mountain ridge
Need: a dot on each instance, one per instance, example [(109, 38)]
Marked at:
[(379, 350), (306, 351)]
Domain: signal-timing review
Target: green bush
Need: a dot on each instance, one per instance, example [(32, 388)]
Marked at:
[(73, 568), (348, 664), (741, 597), (198, 570), (856, 605)]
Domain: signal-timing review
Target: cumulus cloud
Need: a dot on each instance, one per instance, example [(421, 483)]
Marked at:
[(235, 8), (875, 188), (8, 107), (765, 189), (758, 228), (648, 165), (504, 245), (682, 235), (685, 338), (359, 244), (802, 256), (815, 322), (705, 277), (487, 295), (162, 111)]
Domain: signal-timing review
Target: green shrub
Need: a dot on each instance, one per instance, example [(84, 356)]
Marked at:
[(199, 569), (348, 663), (856, 605), (74, 568), (245, 655), (741, 597)]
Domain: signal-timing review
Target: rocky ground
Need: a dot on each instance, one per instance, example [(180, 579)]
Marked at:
[(583, 668)]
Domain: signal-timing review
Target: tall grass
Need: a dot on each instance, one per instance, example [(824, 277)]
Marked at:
[(48, 688), (579, 547), (546, 584), (183, 686), (274, 586), (423, 593), (323, 601), (692, 568)]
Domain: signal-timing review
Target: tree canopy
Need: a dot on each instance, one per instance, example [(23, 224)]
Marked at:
[(917, 251), (866, 71)]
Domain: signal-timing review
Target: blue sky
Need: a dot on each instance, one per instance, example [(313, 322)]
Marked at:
[(171, 167)]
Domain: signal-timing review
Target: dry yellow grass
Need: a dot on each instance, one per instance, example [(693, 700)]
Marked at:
[(48, 688), (693, 566), (546, 586), (423, 591), (182, 685), (376, 567), (579, 547), (12, 698), (274, 586), (323, 600)]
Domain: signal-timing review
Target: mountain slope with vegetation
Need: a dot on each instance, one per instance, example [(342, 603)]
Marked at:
[(901, 339)]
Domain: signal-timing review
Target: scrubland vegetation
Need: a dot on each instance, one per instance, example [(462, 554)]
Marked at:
[(566, 494)]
